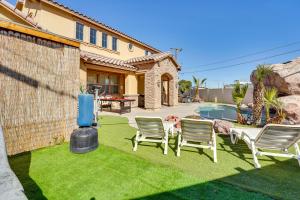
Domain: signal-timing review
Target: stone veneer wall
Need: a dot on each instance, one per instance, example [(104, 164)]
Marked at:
[(153, 83), (39, 84)]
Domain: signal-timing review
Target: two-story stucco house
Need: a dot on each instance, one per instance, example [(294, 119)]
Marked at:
[(122, 65)]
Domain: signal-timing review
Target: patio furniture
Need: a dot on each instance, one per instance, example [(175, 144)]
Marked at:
[(271, 137), (151, 129), (125, 104), (10, 186), (195, 132), (169, 127)]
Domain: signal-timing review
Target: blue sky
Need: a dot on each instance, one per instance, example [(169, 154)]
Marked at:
[(207, 30)]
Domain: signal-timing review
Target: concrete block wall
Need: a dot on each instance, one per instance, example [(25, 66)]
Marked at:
[(223, 95)]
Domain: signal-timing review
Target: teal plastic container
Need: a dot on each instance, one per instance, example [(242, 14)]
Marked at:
[(85, 110)]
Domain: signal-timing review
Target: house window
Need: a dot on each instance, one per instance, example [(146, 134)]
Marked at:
[(109, 84), (79, 31), (114, 43), (92, 79), (93, 36), (130, 47), (104, 40), (147, 53)]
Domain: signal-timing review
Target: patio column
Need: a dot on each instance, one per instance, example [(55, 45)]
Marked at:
[(153, 88), (131, 88)]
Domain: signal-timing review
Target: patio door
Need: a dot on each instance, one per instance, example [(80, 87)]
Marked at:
[(165, 92)]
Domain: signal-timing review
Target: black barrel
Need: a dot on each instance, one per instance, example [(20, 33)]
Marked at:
[(84, 140)]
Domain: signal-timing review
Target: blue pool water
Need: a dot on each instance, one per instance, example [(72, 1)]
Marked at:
[(216, 111)]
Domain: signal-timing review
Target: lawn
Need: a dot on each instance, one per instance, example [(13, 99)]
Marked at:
[(114, 171)]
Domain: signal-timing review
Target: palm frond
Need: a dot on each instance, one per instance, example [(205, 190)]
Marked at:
[(262, 71), (195, 80), (270, 96), (239, 92), (203, 81)]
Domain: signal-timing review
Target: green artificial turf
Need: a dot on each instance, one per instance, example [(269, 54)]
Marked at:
[(114, 171)]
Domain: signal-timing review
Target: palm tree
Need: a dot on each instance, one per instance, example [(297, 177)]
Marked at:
[(198, 83), (238, 94), (270, 96), (262, 71), (279, 111), (184, 86)]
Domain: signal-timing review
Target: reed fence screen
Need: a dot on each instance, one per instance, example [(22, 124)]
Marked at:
[(39, 84)]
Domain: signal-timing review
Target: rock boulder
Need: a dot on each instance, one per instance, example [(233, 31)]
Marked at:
[(286, 77), (222, 127), (291, 107)]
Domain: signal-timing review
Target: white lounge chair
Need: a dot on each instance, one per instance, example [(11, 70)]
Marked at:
[(271, 137), (196, 132), (151, 129)]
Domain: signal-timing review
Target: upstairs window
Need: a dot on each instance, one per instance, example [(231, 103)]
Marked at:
[(93, 36), (114, 43), (79, 31), (104, 40), (147, 53)]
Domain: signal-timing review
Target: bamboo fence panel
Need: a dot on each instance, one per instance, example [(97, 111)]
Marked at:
[(39, 84)]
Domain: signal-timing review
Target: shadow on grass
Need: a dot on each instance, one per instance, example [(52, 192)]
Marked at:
[(208, 190), (20, 164), (222, 188), (240, 149)]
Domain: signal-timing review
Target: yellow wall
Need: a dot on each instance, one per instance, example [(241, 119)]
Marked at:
[(141, 84), (8, 15), (131, 82), (63, 23), (83, 73)]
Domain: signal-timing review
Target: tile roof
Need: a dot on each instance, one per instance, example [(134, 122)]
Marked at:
[(19, 13), (153, 58), (103, 60), (100, 23)]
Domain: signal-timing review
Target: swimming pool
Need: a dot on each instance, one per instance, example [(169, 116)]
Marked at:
[(220, 111)]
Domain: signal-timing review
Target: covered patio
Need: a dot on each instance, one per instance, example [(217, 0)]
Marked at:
[(152, 81)]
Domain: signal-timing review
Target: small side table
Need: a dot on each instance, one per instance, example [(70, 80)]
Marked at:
[(169, 126)]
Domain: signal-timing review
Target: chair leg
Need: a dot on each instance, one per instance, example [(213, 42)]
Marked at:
[(215, 148), (297, 152), (253, 149), (166, 144), (178, 144), (136, 141)]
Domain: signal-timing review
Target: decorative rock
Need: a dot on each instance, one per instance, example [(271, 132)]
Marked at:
[(285, 77), (291, 107), (222, 127), (250, 105), (175, 119)]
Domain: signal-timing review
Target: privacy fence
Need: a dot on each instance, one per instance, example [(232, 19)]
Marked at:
[(223, 95), (39, 84)]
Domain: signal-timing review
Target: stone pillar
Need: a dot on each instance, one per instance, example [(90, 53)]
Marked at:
[(153, 88)]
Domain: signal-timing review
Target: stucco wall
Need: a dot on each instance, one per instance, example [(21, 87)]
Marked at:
[(223, 95), (7, 15), (63, 23), (39, 81)]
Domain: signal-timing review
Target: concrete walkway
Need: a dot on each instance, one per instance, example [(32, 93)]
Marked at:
[(182, 110)]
